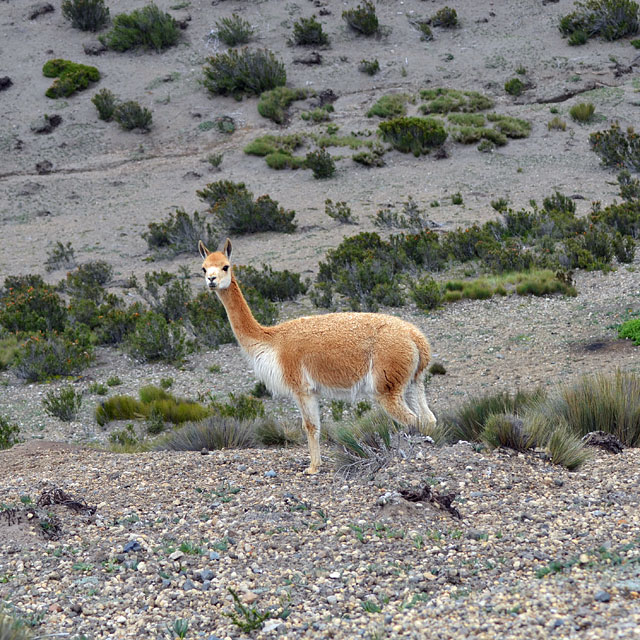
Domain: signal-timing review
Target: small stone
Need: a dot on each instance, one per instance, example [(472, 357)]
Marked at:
[(5, 83), (249, 597), (76, 608), (206, 574), (270, 474), (176, 555), (584, 558), (132, 545), (332, 599), (334, 575), (39, 9), (214, 555), (94, 48), (559, 482), (188, 585), (603, 596), (204, 451)]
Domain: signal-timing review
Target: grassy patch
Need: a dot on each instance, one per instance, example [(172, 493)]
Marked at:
[(273, 104), (389, 106), (70, 77), (443, 101)]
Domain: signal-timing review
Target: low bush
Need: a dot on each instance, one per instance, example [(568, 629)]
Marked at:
[(273, 104), (630, 330), (149, 28), (441, 100), (426, 293), (446, 18), (88, 280), (245, 72), (412, 134), (70, 77), (308, 32), (241, 407), (105, 102), (233, 206), (153, 339), (9, 435), (374, 157), (130, 115), (42, 358), (362, 19), (62, 256), (509, 126), (319, 114), (370, 67), (8, 348), (629, 187), (64, 404), (166, 294), (180, 233), (86, 15), (609, 19), (514, 86), (271, 284), (234, 30), (582, 112), (389, 106), (557, 123), (321, 164), (616, 148)]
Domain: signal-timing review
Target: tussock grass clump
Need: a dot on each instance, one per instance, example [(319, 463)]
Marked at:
[(239, 73), (506, 430), (509, 126), (212, 434), (70, 77), (149, 28), (236, 210), (273, 104), (443, 100), (609, 19), (86, 15), (234, 30), (389, 106), (630, 330), (412, 134), (362, 19), (271, 433), (8, 348), (268, 144), (12, 628), (582, 112), (308, 32), (64, 405), (557, 123)]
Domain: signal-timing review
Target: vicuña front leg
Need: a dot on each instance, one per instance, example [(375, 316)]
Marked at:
[(310, 411)]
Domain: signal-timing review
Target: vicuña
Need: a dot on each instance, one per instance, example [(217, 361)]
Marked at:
[(339, 355)]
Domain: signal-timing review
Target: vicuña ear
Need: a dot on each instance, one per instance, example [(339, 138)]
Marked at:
[(204, 252), (227, 248)]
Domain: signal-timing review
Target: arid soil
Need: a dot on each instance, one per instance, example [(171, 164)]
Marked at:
[(320, 547)]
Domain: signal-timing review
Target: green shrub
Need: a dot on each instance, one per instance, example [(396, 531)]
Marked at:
[(390, 105), (241, 407), (64, 405), (212, 433), (70, 77), (617, 149), (319, 114), (509, 126), (9, 435), (234, 30), (362, 19), (623, 218), (308, 31), (180, 233), (8, 349), (245, 72), (119, 408), (445, 17), (166, 294), (629, 187), (624, 248), (578, 38), (467, 119), (30, 305), (370, 67), (234, 208), (441, 100), (273, 104), (321, 164), (125, 440), (514, 86), (60, 257), (154, 339), (148, 28), (630, 330), (426, 293), (130, 115), (105, 102), (280, 160), (339, 211), (88, 280), (374, 157), (42, 358), (270, 284), (582, 112), (412, 134), (86, 15), (610, 19)]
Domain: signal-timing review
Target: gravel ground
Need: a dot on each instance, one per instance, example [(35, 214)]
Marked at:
[(323, 549)]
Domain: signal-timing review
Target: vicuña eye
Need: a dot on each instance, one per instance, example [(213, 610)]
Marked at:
[(226, 267)]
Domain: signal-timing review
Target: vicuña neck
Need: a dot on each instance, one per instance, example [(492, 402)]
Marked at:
[(246, 328)]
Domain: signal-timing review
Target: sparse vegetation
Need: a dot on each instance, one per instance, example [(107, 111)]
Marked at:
[(582, 112), (443, 100), (154, 339), (105, 102), (389, 106), (609, 19), (630, 330), (321, 164), (370, 67), (412, 134), (62, 256), (148, 28), (309, 32), (9, 435), (557, 123), (64, 404), (86, 15), (445, 17), (617, 148), (179, 233), (514, 86), (239, 73), (130, 115), (273, 104), (339, 211)]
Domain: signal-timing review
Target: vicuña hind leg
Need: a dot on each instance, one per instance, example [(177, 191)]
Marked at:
[(394, 404), (310, 411), (418, 402)]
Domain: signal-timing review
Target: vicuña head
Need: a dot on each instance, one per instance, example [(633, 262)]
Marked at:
[(339, 355)]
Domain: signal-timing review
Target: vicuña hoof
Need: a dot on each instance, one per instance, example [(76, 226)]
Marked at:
[(311, 471)]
